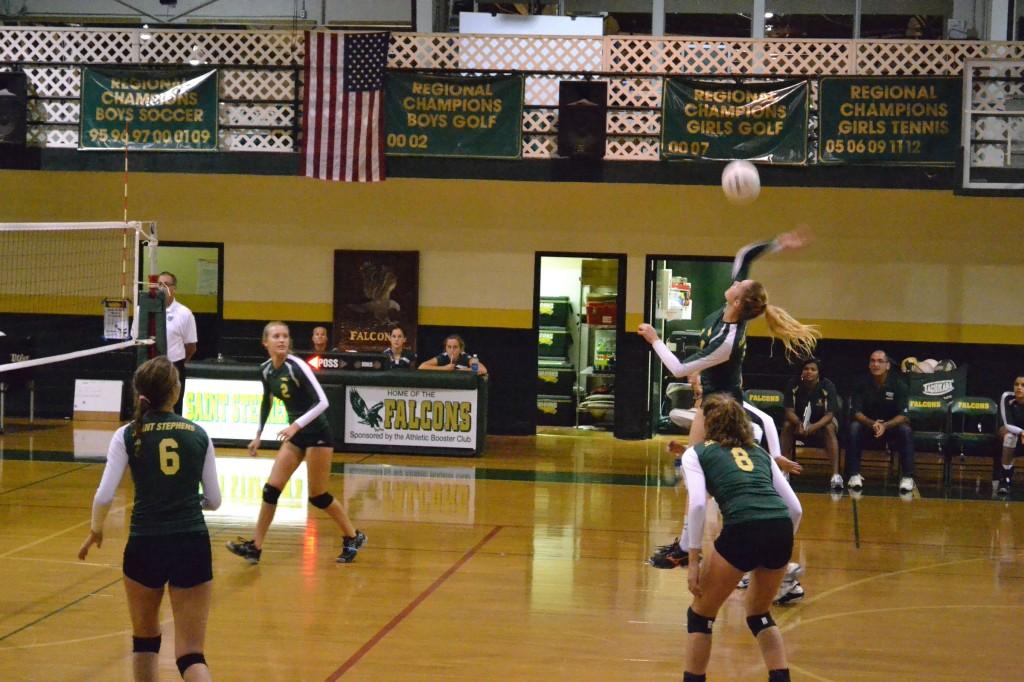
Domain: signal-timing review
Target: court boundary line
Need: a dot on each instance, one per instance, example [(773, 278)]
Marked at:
[(87, 522), (410, 607), (58, 610), (785, 626), (42, 480)]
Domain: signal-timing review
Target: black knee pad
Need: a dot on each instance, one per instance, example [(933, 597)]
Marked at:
[(270, 494), (762, 621), (146, 645), (698, 623), (188, 660), (322, 501)]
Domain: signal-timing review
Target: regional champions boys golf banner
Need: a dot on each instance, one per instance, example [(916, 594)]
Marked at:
[(153, 109), (421, 417), (889, 120), (724, 121), (431, 115)]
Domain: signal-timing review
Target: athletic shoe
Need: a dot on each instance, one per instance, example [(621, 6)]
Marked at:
[(245, 549), (789, 593), (836, 484), (906, 485), (350, 547), (1004, 483), (744, 582), (669, 556), (793, 571), (856, 482)]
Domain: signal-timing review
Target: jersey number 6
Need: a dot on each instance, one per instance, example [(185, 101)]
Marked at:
[(169, 461)]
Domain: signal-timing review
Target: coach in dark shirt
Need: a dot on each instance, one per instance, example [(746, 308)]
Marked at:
[(812, 405), (879, 410)]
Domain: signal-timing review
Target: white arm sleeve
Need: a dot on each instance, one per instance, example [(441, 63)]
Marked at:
[(1012, 428), (681, 369), (211, 488), (113, 472), (785, 491), (698, 498), (321, 405)]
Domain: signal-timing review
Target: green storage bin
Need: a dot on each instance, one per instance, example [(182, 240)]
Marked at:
[(553, 342), (555, 410), (556, 378), (553, 311)]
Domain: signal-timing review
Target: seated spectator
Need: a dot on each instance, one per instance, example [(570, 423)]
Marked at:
[(454, 358), (397, 356), (1011, 409), (812, 405), (879, 416), (320, 343)]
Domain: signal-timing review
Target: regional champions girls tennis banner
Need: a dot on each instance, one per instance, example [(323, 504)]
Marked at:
[(420, 417), (431, 115), (725, 121), (172, 109)]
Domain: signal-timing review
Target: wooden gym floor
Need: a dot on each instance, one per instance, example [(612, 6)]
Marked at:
[(524, 564)]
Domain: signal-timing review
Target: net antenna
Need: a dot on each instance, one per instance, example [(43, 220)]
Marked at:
[(70, 290)]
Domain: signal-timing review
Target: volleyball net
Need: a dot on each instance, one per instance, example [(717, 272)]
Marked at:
[(70, 290)]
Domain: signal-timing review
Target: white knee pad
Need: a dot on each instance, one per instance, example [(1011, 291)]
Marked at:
[(1010, 440)]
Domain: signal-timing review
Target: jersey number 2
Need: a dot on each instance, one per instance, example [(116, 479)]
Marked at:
[(742, 459), (169, 460)]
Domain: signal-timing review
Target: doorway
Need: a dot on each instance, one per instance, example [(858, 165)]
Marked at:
[(579, 306), (679, 293), (199, 268)]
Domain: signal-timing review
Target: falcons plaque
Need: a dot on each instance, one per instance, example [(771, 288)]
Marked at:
[(374, 291)]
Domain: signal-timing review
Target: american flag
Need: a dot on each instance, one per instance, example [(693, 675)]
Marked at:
[(343, 120)]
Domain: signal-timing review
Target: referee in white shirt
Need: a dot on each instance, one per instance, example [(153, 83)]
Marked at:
[(181, 331)]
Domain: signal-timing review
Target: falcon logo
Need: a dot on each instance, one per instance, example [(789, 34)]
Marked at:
[(318, 363)]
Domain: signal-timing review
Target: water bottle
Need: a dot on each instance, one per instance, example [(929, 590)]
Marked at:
[(474, 364)]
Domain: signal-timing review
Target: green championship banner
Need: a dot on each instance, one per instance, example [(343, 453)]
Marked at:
[(172, 109), (889, 120), (715, 120), (451, 116)]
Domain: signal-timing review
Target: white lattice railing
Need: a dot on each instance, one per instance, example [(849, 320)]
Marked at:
[(261, 88)]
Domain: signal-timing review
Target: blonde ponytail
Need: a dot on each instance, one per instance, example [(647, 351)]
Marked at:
[(799, 339)]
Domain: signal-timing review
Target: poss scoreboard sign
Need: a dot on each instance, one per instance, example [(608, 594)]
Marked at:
[(889, 120), (152, 110)]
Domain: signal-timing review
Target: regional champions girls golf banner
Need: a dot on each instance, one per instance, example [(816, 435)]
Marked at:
[(420, 417), (153, 110), (431, 115), (725, 121)]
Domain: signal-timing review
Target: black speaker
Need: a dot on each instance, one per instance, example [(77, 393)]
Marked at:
[(582, 119), (13, 108)]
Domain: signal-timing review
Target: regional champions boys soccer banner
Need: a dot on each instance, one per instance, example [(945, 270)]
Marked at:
[(154, 109), (725, 121), (889, 120), (431, 115), (420, 417)]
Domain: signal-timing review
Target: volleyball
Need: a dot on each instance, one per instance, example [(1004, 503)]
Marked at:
[(740, 182)]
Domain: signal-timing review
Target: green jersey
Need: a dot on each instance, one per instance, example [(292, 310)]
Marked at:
[(167, 460), (723, 345), (740, 480), (295, 385)]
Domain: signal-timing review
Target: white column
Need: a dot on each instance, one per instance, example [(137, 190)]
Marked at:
[(657, 17), (424, 16), (997, 28), (757, 19)]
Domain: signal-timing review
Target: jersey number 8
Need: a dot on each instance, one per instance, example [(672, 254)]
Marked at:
[(169, 461), (742, 458)]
